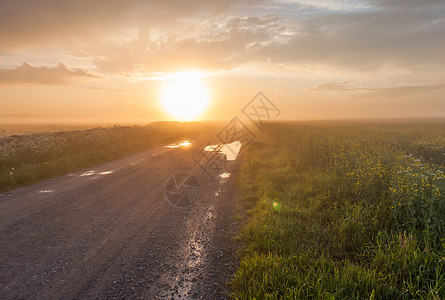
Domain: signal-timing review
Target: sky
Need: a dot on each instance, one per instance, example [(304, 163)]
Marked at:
[(108, 60)]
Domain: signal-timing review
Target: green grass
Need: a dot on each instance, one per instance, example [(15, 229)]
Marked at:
[(344, 211), (31, 158)]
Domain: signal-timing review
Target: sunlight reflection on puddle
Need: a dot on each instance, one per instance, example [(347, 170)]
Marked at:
[(229, 150), (195, 251), (180, 144), (92, 172), (46, 191), (87, 173), (224, 175), (105, 173)]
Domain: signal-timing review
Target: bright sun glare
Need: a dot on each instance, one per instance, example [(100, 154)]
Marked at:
[(184, 96)]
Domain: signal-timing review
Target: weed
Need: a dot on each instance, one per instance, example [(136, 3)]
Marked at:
[(360, 213)]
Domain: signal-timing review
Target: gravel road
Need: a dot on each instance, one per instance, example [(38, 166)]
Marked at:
[(109, 232)]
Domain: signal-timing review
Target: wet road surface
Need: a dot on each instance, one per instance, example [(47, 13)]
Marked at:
[(109, 232)]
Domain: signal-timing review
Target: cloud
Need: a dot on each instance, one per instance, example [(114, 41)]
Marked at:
[(27, 74), (333, 86), (331, 5), (405, 37), (388, 35), (29, 23), (137, 36), (224, 48), (98, 88), (425, 4), (393, 92), (401, 91)]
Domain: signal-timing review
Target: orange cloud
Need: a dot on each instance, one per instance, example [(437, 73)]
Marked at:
[(392, 92), (27, 74)]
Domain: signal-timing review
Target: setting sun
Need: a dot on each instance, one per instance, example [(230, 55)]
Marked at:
[(184, 96)]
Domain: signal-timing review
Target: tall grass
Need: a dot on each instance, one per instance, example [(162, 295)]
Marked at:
[(30, 158), (344, 211)]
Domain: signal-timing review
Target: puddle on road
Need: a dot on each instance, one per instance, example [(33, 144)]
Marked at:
[(224, 177), (105, 173), (231, 150), (46, 191), (180, 144), (87, 173), (195, 252), (92, 172)]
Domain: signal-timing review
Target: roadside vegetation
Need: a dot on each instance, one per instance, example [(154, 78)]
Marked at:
[(26, 159), (344, 211)]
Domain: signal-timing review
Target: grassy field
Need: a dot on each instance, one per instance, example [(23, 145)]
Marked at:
[(30, 158), (344, 211)]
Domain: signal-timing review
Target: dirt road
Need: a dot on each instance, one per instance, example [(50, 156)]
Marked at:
[(110, 233)]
